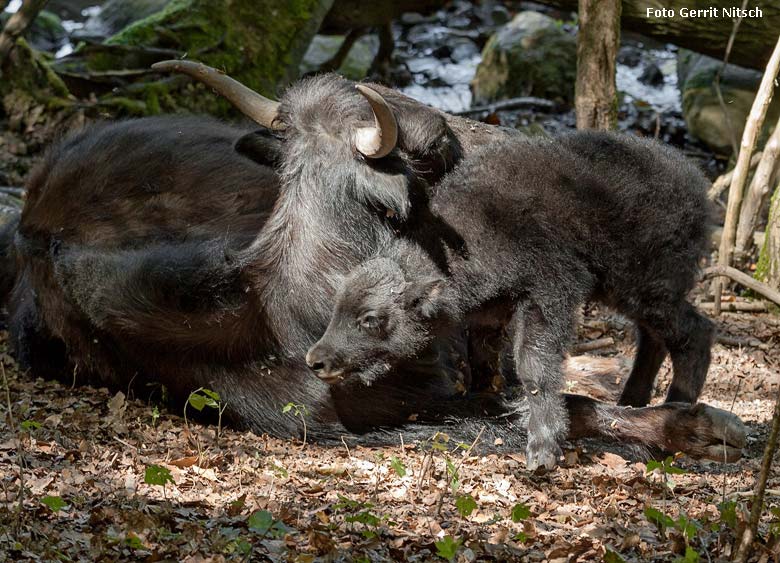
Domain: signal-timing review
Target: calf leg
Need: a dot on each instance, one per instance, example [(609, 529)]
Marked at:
[(689, 341), (541, 336), (649, 356)]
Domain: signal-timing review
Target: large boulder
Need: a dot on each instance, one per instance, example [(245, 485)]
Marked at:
[(703, 113), (530, 56)]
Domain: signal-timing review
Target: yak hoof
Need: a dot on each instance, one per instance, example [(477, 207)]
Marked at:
[(711, 433), (542, 458)]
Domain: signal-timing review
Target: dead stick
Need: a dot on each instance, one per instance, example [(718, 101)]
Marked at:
[(743, 279), (730, 306), (760, 489), (594, 345), (754, 122), (16, 25), (724, 180)]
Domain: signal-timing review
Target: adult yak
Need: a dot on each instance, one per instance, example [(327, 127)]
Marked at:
[(189, 253)]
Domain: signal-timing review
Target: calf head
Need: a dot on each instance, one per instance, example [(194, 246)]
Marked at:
[(380, 320)]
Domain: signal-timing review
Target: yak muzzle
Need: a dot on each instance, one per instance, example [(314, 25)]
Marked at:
[(321, 361)]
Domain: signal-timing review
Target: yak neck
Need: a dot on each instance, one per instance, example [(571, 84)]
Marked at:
[(310, 241)]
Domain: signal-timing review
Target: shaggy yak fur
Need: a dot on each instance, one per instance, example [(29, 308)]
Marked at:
[(557, 223), (187, 253)]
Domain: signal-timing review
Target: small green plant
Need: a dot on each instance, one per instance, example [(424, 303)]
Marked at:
[(398, 466), (613, 556), (667, 469), (360, 513), (155, 416), (202, 398), (30, 425), (262, 522), (520, 512), (300, 411), (465, 505), (448, 547), (774, 526), (134, 542), (158, 476), (54, 503)]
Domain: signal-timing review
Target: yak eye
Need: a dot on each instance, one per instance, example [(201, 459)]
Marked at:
[(370, 322)]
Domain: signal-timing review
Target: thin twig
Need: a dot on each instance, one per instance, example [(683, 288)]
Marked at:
[(760, 488), (19, 445), (724, 180), (594, 345), (512, 103)]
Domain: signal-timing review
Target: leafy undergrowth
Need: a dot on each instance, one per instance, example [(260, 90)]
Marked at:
[(110, 479)]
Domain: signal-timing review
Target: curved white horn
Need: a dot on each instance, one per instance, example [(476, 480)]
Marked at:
[(258, 108), (379, 140)]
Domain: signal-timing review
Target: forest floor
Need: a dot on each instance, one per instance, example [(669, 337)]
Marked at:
[(110, 479)]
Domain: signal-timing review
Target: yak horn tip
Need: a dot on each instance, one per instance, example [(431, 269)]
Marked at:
[(379, 140)]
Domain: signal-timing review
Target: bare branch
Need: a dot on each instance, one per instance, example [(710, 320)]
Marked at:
[(753, 125), (16, 25), (743, 279)]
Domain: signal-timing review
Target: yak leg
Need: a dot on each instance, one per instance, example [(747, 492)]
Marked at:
[(540, 340), (689, 342), (700, 430), (162, 294), (649, 357)]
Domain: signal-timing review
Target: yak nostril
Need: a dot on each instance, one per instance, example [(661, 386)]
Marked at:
[(317, 366)]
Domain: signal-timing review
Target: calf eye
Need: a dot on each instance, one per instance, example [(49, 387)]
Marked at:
[(370, 322)]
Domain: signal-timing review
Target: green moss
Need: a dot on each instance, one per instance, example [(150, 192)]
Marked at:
[(28, 71), (260, 42), (763, 270)]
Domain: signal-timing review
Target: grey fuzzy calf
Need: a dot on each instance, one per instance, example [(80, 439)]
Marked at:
[(520, 235)]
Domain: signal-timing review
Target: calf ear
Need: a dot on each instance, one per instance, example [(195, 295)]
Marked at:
[(425, 297), (261, 146)]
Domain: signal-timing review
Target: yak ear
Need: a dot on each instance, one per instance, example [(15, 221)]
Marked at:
[(261, 146), (388, 189), (425, 296)]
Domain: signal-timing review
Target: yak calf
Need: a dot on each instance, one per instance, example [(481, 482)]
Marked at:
[(591, 215)]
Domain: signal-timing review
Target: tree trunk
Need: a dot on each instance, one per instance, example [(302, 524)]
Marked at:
[(768, 268), (709, 35), (598, 39)]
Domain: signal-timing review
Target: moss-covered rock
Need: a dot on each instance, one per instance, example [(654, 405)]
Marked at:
[(259, 42), (115, 15), (703, 112), (530, 56), (33, 99)]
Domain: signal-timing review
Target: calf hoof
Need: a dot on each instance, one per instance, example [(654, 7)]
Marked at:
[(541, 458), (707, 432)]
